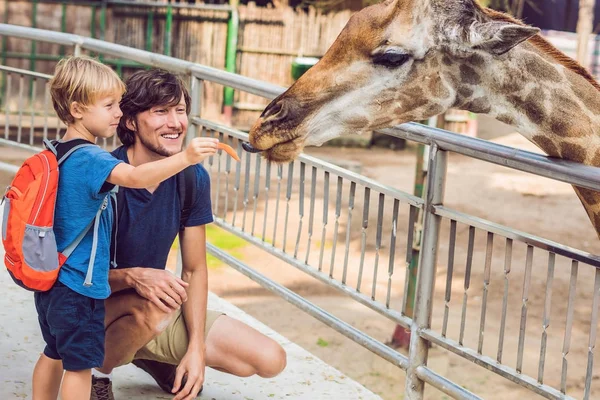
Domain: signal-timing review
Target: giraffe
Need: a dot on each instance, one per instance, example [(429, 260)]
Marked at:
[(408, 60)]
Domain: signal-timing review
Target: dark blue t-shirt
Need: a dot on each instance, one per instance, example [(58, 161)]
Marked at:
[(147, 223)]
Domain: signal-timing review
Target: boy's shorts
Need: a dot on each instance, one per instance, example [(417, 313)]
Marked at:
[(72, 327)]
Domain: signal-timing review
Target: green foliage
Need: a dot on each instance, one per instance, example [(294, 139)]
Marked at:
[(322, 342), (225, 241)]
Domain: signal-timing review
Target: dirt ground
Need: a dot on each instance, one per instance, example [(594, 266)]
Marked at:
[(531, 204)]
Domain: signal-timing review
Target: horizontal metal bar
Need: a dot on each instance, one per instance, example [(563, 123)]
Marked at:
[(235, 81), (553, 168), (325, 166), (342, 327), (393, 315), (10, 168), (523, 237), (12, 143), (443, 384), (491, 364), (24, 72)]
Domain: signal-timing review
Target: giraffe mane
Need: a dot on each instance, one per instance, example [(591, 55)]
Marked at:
[(545, 46)]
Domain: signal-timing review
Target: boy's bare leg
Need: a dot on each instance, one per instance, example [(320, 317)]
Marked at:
[(77, 385), (131, 322), (236, 348), (47, 375)]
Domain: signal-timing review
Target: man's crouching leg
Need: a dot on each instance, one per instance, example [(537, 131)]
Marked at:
[(131, 322), (236, 348)]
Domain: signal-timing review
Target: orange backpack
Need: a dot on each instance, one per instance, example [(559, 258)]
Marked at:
[(32, 258)]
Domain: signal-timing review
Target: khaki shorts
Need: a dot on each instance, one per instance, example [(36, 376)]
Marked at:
[(171, 345)]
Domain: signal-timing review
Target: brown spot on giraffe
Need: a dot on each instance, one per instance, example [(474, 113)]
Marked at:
[(469, 75), (573, 152), (596, 160), (480, 105), (413, 98), (597, 220), (567, 118), (446, 60), (437, 88), (476, 60), (541, 69), (506, 118), (434, 109), (591, 197), (434, 63), (547, 145), (531, 106), (587, 93), (465, 92)]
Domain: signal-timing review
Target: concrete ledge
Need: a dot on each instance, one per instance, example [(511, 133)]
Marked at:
[(306, 377)]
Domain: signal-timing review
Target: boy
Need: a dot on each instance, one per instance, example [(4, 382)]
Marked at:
[(86, 95)]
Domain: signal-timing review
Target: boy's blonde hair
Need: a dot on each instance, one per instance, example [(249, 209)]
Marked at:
[(84, 80)]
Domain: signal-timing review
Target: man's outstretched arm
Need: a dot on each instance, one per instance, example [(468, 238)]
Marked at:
[(195, 274)]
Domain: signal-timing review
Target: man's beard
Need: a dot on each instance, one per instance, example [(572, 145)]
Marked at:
[(158, 149)]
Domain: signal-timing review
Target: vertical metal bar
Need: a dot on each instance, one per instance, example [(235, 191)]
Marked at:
[(592, 338), (325, 217), (102, 25), (32, 58), (20, 106), (63, 25), (507, 266), (168, 28), (486, 284), (438, 160), (311, 215), (77, 51), (449, 275), (256, 192), (32, 105), (338, 209), (149, 29), (392, 258), (279, 179), (378, 234), (546, 316), (569, 325), (467, 284), (7, 104), (525, 299), (46, 105), (196, 92), (4, 50), (227, 174), (267, 188), (246, 189), (218, 157), (348, 229), (412, 218), (236, 186), (363, 241), (288, 196), (301, 206), (93, 21)]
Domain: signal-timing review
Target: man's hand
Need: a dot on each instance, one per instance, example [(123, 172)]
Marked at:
[(165, 290), (192, 368)]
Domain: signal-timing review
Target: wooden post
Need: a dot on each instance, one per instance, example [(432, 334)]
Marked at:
[(585, 26)]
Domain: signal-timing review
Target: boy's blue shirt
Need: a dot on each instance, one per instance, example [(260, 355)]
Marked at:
[(81, 178)]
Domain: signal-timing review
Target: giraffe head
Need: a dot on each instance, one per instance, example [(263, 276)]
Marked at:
[(394, 62)]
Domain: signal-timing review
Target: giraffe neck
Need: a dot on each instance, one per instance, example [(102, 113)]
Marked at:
[(548, 103)]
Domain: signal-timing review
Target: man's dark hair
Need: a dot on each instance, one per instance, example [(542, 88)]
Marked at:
[(147, 89)]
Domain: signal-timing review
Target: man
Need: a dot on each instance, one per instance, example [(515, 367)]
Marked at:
[(156, 319)]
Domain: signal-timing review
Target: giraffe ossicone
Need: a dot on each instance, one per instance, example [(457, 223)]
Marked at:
[(408, 60)]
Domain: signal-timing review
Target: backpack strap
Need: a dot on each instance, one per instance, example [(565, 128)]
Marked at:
[(96, 222), (62, 150), (187, 187)]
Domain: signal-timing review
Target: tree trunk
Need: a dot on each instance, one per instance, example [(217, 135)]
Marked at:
[(585, 24)]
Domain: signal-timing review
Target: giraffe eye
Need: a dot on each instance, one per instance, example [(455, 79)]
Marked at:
[(391, 59)]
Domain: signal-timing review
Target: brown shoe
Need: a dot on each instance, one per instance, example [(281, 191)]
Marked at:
[(162, 373), (101, 389)]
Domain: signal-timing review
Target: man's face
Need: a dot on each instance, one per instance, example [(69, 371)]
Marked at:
[(162, 129)]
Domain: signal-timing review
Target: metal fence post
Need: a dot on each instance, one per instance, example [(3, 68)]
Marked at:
[(438, 160)]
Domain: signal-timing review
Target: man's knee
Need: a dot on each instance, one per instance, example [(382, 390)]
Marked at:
[(151, 318), (273, 362)]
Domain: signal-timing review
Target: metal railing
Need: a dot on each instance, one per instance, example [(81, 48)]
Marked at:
[(355, 235)]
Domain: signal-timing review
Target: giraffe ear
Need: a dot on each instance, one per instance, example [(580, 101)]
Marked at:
[(498, 37)]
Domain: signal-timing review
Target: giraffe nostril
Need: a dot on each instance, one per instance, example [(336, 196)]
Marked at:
[(272, 109)]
